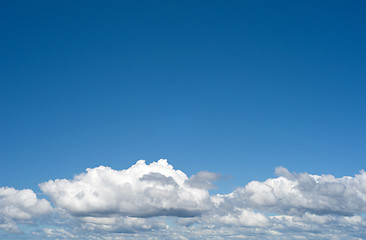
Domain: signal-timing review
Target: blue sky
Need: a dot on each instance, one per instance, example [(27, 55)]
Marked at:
[(236, 88)]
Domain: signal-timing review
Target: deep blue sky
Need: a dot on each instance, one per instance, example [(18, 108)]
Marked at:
[(235, 87)]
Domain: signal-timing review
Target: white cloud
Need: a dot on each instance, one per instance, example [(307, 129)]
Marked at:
[(296, 194), (140, 191), (20, 206), (155, 201), (238, 217)]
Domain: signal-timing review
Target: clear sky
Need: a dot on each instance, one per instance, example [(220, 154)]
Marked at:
[(236, 88)]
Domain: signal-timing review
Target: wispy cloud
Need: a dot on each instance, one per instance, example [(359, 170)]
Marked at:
[(156, 201)]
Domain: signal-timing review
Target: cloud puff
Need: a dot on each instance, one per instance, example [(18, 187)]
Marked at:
[(140, 191), (296, 194), (20, 206)]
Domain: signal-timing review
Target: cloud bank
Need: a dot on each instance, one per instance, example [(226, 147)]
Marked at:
[(149, 201)]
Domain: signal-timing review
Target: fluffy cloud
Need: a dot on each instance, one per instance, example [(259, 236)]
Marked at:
[(296, 194), (140, 191), (20, 206), (155, 201)]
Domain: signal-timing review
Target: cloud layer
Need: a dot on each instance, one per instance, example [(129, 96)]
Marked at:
[(156, 201)]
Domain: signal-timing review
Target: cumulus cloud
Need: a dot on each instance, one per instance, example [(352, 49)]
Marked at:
[(20, 206), (156, 201), (296, 194), (140, 191)]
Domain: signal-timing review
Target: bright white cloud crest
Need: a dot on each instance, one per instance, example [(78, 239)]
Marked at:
[(144, 199), (140, 191)]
